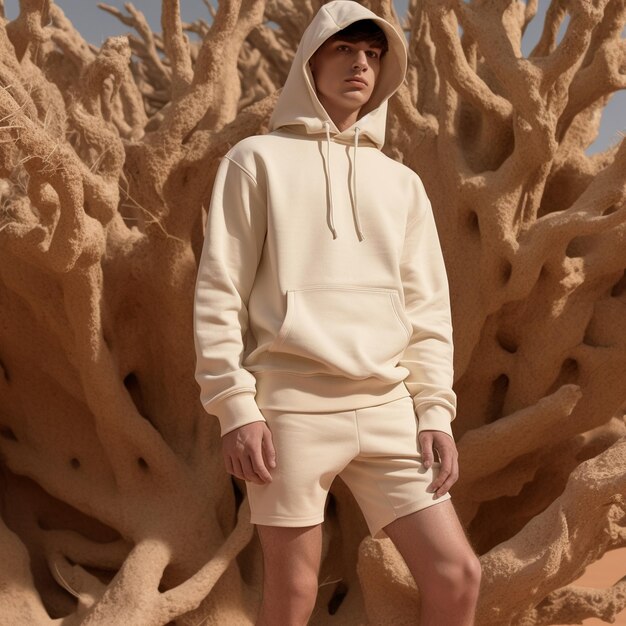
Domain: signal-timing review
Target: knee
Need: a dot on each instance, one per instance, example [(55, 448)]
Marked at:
[(464, 577), (472, 572), (304, 591), (458, 580), (297, 591)]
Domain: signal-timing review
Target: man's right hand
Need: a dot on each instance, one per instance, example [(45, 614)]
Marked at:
[(249, 451)]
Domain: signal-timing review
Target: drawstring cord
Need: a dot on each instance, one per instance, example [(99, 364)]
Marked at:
[(355, 210), (330, 180)]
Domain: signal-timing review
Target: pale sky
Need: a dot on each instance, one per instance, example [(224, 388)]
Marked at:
[(96, 25)]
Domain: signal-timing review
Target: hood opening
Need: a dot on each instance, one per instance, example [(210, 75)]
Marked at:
[(298, 105), (299, 109)]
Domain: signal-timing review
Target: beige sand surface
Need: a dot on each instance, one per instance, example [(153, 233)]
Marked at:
[(604, 573), (116, 507)]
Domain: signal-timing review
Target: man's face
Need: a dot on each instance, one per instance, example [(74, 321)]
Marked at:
[(335, 65)]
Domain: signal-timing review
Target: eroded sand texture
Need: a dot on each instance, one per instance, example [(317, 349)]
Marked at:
[(116, 506)]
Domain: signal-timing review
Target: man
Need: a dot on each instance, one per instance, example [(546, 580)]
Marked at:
[(323, 328)]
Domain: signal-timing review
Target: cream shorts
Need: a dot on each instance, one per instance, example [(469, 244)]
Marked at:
[(375, 450)]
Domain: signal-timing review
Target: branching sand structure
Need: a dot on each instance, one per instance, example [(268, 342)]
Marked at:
[(116, 507)]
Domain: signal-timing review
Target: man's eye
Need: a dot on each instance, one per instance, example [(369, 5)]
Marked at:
[(373, 54)]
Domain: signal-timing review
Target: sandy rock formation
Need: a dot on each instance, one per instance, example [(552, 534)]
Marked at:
[(116, 508)]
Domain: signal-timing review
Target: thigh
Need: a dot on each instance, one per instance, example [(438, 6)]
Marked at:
[(388, 478), (311, 448), (433, 543), (290, 555)]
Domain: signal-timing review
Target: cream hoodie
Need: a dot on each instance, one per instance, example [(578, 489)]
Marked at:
[(321, 285)]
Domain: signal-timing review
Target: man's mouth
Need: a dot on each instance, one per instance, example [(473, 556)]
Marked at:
[(357, 81)]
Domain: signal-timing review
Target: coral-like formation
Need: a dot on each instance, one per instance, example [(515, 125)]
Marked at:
[(116, 507)]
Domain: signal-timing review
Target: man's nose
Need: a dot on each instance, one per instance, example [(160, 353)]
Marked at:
[(361, 59)]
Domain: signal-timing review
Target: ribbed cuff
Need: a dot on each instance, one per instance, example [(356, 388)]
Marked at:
[(434, 417), (236, 410)]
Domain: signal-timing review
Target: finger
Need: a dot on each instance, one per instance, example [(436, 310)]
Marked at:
[(258, 465), (441, 475), (448, 473), (445, 463), (452, 478), (237, 469), (268, 450), (426, 444), (437, 482), (445, 456), (248, 471)]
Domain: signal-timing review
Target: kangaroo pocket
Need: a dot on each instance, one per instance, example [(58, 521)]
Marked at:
[(357, 332)]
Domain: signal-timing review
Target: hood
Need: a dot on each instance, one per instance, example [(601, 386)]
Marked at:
[(298, 108)]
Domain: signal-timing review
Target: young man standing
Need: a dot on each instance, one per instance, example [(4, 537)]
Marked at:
[(323, 328)]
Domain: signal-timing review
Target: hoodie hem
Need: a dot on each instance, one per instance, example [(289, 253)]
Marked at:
[(322, 393)]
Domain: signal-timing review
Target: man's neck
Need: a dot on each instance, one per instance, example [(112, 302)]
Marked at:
[(343, 119), (346, 123)]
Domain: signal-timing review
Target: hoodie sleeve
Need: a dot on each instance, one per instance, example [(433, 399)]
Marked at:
[(234, 237), (429, 355)]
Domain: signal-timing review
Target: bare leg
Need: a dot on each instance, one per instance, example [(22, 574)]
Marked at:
[(445, 567), (291, 564)]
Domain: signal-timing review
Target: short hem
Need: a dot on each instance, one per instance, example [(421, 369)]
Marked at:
[(287, 522), (411, 507)]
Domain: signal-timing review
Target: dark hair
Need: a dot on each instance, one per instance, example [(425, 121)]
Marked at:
[(364, 30)]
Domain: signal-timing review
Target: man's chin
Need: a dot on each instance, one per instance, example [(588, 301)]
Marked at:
[(355, 98)]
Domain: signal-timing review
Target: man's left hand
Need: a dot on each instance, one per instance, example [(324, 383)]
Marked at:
[(436, 440)]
